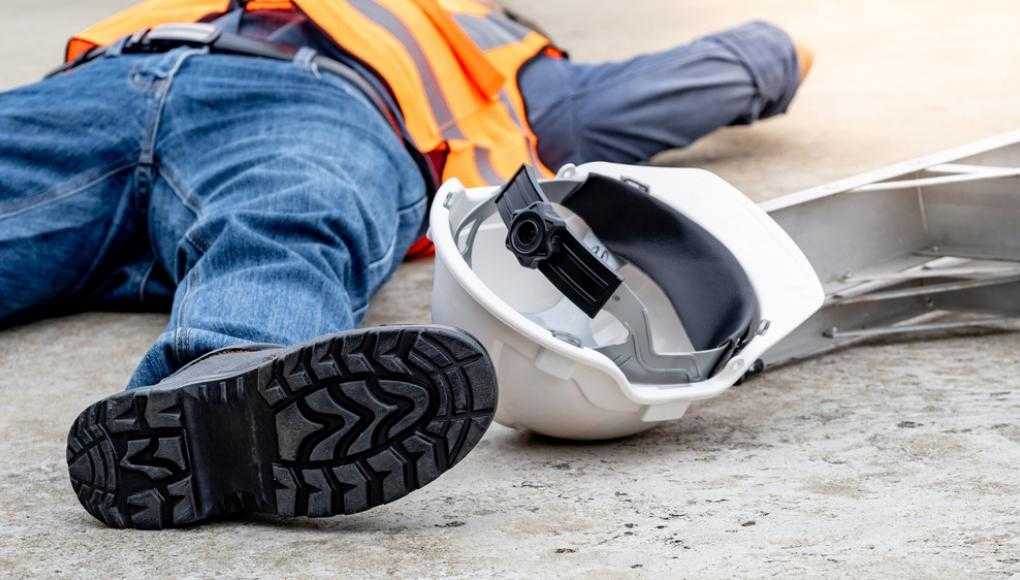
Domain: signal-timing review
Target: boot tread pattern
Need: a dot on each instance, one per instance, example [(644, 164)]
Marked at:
[(342, 425)]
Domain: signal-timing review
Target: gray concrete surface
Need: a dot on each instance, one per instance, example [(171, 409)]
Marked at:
[(887, 460)]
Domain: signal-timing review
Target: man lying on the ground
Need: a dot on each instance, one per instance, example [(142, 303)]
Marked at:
[(260, 177)]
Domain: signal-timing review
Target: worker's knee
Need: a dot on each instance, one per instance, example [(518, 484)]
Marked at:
[(629, 111), (770, 59)]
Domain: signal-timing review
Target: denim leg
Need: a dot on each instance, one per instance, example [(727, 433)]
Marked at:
[(68, 154), (282, 202), (629, 111)]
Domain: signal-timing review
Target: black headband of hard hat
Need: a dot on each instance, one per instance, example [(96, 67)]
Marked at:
[(699, 275)]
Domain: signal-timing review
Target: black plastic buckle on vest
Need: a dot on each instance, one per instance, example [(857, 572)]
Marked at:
[(539, 238), (166, 37), (169, 36), (159, 39)]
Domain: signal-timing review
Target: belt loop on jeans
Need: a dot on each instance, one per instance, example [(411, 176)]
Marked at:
[(305, 60)]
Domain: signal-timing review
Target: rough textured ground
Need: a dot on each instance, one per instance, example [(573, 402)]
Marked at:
[(887, 460)]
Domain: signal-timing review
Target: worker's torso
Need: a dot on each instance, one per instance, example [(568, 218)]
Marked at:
[(451, 66)]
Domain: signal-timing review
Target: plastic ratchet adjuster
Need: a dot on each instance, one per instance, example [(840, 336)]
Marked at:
[(538, 236)]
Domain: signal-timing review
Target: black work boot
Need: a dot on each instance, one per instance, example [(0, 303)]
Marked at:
[(335, 426)]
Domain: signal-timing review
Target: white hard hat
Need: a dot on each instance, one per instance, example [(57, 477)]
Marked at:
[(611, 297)]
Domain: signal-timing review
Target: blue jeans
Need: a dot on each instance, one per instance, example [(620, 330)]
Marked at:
[(263, 202)]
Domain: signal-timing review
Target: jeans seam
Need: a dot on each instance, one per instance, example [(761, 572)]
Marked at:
[(391, 247), (144, 281), (58, 197), (182, 336), (406, 208), (386, 257), (149, 144), (178, 346), (187, 198), (199, 245), (360, 310), (122, 214)]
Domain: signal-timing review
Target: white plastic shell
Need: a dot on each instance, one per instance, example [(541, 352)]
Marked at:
[(551, 387)]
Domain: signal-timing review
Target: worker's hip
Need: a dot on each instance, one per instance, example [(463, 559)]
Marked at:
[(111, 168), (157, 72)]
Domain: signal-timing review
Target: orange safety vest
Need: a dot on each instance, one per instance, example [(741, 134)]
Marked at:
[(451, 65)]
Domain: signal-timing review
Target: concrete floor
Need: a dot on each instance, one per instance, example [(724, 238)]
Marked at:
[(887, 460)]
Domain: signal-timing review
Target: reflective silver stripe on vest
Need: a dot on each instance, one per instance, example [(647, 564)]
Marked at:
[(483, 158), (493, 31), (505, 100), (383, 17), (483, 162)]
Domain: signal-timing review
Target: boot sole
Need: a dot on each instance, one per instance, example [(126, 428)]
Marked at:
[(337, 426)]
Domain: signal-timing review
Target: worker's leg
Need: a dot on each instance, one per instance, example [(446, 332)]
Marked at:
[(629, 111), (69, 148), (281, 202)]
